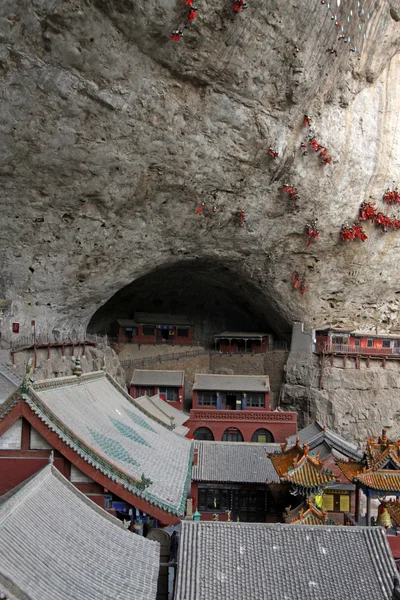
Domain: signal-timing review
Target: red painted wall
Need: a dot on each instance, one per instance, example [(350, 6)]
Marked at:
[(14, 470), (256, 347), (152, 339), (138, 391), (279, 429)]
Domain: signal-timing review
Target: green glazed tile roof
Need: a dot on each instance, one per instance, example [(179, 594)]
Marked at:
[(103, 424)]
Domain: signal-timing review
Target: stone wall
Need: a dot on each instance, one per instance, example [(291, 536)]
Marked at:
[(274, 367), (357, 403), (59, 366)]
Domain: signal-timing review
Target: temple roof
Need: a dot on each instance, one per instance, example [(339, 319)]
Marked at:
[(308, 514), (275, 561), (241, 462), (9, 382), (58, 544), (379, 468), (106, 427), (161, 319), (240, 334), (302, 470), (163, 378), (321, 439), (164, 412), (393, 508), (234, 383)]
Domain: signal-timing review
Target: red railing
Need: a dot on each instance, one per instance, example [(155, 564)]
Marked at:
[(358, 350)]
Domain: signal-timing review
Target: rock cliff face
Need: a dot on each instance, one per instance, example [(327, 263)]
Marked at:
[(112, 136), (356, 403)]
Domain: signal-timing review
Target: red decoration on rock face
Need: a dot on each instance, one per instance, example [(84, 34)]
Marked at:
[(272, 153), (240, 6), (291, 191), (311, 232), (306, 120), (177, 35), (15, 327), (313, 144), (350, 233), (192, 14), (368, 212), (391, 196), (242, 218), (201, 208)]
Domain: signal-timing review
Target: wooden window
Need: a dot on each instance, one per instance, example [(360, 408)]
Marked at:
[(356, 341), (370, 343), (262, 436), (255, 400), (182, 332), (336, 502), (232, 434), (206, 398), (386, 344), (328, 502), (169, 394), (148, 330), (344, 503), (203, 433), (337, 340)]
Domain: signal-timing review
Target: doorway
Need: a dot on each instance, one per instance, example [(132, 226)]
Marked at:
[(231, 402)]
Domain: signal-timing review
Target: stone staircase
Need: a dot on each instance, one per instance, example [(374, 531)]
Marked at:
[(10, 375)]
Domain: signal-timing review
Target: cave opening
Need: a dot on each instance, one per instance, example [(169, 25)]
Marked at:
[(214, 295)]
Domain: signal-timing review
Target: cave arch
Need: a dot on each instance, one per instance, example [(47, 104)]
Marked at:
[(217, 295)]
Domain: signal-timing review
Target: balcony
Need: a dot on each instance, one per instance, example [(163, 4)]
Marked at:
[(358, 350)]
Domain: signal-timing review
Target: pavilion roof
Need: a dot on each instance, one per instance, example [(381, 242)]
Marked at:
[(57, 545), (302, 470), (308, 514), (321, 439), (379, 469)]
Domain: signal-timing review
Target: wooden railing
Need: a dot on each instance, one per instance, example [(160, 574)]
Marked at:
[(358, 350), (45, 340), (158, 358)]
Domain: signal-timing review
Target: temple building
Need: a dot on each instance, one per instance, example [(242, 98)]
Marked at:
[(339, 497), (105, 443), (346, 340), (236, 408), (239, 341), (307, 513), (56, 544), (152, 328), (273, 561), (169, 385), (377, 474), (229, 481)]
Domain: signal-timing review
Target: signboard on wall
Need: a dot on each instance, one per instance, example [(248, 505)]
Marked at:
[(15, 327)]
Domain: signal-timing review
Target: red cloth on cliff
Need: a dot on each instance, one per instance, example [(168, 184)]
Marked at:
[(192, 15)]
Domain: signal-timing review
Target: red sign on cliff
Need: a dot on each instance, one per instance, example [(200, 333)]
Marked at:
[(15, 327)]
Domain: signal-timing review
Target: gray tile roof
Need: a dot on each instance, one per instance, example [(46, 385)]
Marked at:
[(325, 440), (240, 334), (243, 462), (60, 545), (160, 378), (160, 409), (234, 383), (93, 413), (126, 322), (9, 382), (161, 319), (224, 561)]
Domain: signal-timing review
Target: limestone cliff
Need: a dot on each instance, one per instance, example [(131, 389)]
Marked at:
[(112, 136), (356, 403)]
